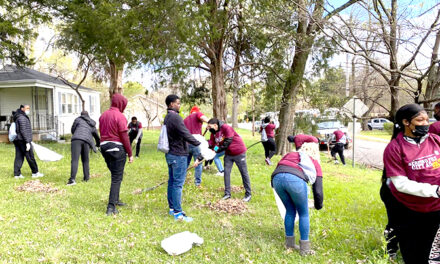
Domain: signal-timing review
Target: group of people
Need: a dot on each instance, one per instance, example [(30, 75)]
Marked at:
[(410, 182)]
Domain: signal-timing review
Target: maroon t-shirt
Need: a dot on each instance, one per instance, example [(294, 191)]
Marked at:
[(194, 123), (434, 128), (338, 134), (237, 146), (420, 163), (270, 130), (300, 139)]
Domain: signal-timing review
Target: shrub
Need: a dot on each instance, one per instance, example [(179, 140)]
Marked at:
[(388, 127)]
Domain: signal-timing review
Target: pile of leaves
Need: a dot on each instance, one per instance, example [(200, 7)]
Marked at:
[(234, 189), (230, 206), (37, 186)]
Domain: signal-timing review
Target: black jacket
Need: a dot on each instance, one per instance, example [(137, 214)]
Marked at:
[(178, 134), (23, 126), (84, 129)]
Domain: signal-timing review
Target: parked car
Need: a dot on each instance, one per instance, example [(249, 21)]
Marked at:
[(325, 133), (377, 123)]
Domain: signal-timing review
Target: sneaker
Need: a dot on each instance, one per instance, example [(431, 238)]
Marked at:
[(171, 212), (336, 161), (220, 174), (226, 197), (247, 198), (19, 177), (71, 182), (206, 167), (268, 162), (111, 211), (182, 217), (37, 175), (120, 203)]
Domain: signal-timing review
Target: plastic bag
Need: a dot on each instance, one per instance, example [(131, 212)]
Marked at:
[(207, 153), (163, 144), (12, 135), (46, 154), (180, 243)]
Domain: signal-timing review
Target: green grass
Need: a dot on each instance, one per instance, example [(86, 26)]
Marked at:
[(381, 134), (71, 226)]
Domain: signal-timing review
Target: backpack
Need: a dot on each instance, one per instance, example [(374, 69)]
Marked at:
[(12, 132), (163, 144)]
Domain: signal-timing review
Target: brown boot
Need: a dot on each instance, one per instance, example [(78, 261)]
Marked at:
[(304, 248), (290, 243)]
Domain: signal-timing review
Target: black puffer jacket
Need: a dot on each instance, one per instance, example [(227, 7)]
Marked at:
[(23, 126), (84, 128)]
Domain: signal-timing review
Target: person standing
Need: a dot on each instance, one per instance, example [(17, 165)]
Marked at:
[(235, 152), (194, 123), (267, 131), (177, 157), (435, 127), (22, 143), (135, 134), (115, 146), (300, 139), (412, 175), (289, 180), (83, 132), (338, 148)]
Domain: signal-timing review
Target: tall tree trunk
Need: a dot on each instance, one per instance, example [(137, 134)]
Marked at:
[(433, 83), (235, 87), (115, 78), (218, 90), (395, 76), (304, 41)]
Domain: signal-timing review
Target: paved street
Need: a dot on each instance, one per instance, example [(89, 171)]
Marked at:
[(368, 152)]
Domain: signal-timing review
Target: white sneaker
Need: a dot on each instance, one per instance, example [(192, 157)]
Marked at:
[(37, 175), (219, 174), (19, 177), (336, 161)]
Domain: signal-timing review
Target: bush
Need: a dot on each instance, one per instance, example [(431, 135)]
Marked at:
[(388, 127)]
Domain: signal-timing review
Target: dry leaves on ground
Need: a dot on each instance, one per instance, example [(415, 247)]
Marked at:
[(37, 186), (230, 206), (234, 189)]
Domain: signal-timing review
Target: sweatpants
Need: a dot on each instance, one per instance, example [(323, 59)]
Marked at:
[(20, 154), (115, 157), (132, 137), (79, 148), (338, 148), (240, 161), (270, 148)]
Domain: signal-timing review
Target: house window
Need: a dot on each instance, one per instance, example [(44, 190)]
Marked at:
[(63, 104), (92, 104), (69, 103)]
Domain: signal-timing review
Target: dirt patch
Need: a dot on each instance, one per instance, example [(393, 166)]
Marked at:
[(230, 206), (37, 186), (234, 189)]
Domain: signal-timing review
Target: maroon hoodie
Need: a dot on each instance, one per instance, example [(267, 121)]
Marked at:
[(113, 124)]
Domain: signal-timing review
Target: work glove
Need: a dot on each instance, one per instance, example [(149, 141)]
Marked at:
[(215, 148), (135, 141), (28, 146)]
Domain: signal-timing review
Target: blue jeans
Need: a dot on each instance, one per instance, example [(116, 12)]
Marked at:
[(218, 162), (293, 193), (177, 174), (194, 151)]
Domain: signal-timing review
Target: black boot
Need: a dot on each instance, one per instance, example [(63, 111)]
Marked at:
[(111, 211)]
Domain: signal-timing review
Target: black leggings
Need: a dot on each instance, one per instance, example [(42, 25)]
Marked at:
[(338, 148), (270, 148), (393, 207)]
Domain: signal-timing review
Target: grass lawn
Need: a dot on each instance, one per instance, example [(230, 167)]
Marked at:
[(381, 134), (71, 227)]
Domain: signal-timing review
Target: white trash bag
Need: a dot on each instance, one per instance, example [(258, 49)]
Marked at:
[(207, 153), (46, 154), (180, 243)]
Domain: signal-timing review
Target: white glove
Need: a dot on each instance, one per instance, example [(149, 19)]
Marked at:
[(28, 146), (135, 141)]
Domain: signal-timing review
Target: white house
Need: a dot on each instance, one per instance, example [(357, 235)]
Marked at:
[(54, 105)]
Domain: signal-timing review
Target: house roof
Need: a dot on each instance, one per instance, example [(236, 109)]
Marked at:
[(11, 73)]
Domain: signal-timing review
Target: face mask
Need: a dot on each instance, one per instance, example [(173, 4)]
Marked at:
[(437, 116), (420, 131), (212, 130), (27, 112)]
